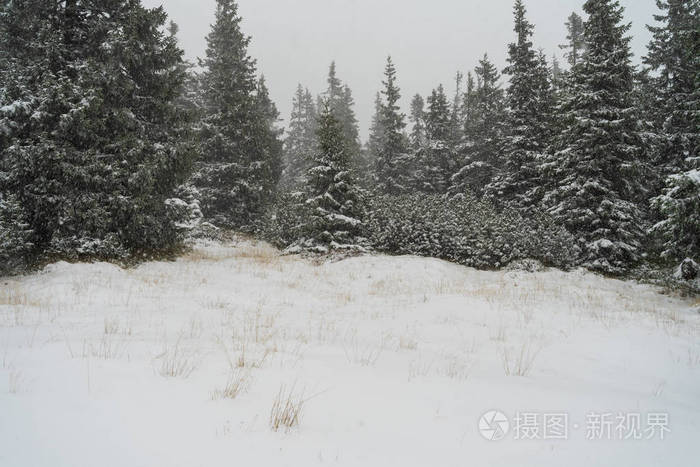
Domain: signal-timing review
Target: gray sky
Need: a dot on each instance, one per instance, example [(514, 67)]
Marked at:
[(294, 41)]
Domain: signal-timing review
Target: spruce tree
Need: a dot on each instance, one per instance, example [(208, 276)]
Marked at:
[(238, 166), (674, 57), (417, 117), (391, 159), (91, 150), (595, 193), (456, 116), (341, 102), (529, 102), (270, 135), (417, 143), (436, 160), (301, 139), (376, 134), (576, 43), (15, 235), (483, 133), (333, 198)]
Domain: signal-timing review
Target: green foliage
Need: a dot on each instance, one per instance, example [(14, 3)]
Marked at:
[(89, 125), (484, 118), (15, 235), (466, 230), (339, 98), (301, 139), (595, 194), (528, 130), (391, 167), (333, 198), (239, 161), (680, 207)]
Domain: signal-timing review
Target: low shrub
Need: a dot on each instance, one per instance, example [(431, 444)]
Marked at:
[(466, 230)]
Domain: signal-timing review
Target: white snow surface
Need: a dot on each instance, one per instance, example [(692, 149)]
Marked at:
[(396, 358)]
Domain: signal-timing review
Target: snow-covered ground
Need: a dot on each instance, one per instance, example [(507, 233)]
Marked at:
[(394, 359)]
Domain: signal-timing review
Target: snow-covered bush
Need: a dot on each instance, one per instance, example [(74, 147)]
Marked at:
[(284, 221), (467, 231), (688, 270), (680, 206)]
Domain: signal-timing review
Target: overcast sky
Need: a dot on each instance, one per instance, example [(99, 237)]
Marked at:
[(294, 41)]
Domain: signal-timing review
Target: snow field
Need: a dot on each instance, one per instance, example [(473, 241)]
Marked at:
[(237, 355)]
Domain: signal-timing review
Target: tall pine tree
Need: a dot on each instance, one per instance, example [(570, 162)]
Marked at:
[(529, 101), (674, 57), (333, 198), (576, 44), (595, 194), (435, 161), (301, 139), (376, 134), (391, 158), (238, 169), (483, 132), (339, 98)]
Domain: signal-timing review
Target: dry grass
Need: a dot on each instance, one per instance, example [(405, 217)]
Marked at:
[(111, 325), (259, 254), (363, 355), (519, 362), (693, 357), (419, 368), (499, 333), (454, 368), (408, 343), (286, 409), (107, 348), (247, 359), (177, 362), (12, 294), (16, 382), (237, 383)]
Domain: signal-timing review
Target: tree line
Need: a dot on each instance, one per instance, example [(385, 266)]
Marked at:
[(112, 145)]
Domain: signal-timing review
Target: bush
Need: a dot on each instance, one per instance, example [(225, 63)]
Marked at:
[(466, 230), (285, 221)]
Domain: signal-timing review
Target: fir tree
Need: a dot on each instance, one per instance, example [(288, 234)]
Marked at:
[(595, 192), (436, 161), (483, 132), (391, 158), (674, 57), (270, 135), (333, 197), (417, 143), (456, 116), (238, 168), (417, 117), (341, 102), (529, 103), (301, 139), (90, 141), (376, 134), (679, 205), (576, 45), (15, 235)]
